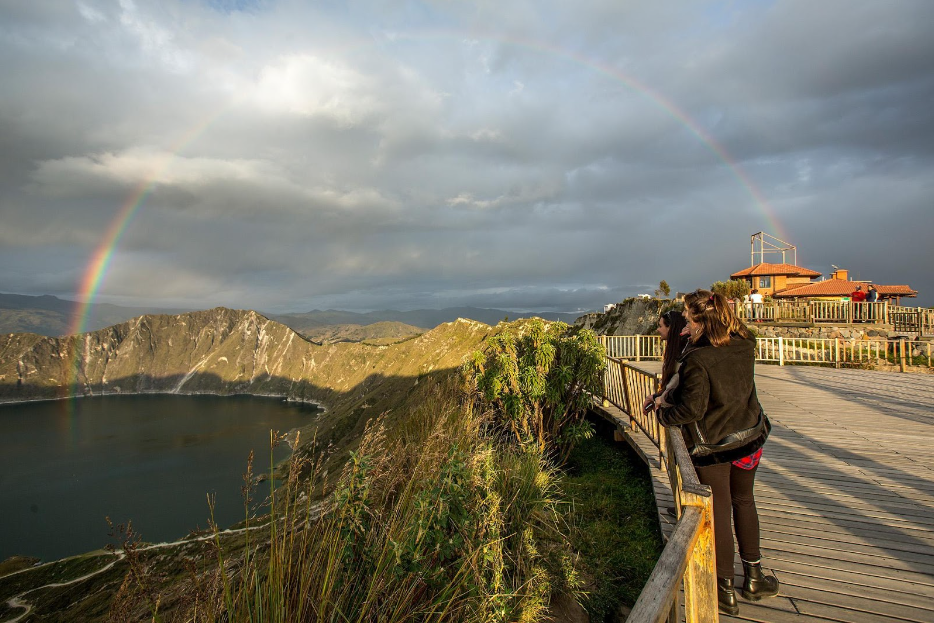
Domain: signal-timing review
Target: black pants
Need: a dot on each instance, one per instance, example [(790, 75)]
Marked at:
[(732, 491)]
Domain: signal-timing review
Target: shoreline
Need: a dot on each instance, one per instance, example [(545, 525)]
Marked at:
[(284, 398)]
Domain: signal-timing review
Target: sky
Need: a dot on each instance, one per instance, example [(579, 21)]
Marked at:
[(286, 156)]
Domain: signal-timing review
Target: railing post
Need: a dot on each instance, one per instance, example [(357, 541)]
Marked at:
[(700, 578), (836, 350), (781, 351), (662, 434), (901, 355)]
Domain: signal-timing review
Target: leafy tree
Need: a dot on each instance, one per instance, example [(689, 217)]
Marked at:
[(734, 288), (536, 380), (663, 289)]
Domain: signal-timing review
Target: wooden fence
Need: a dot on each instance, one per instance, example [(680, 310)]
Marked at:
[(919, 320), (837, 352), (688, 558)]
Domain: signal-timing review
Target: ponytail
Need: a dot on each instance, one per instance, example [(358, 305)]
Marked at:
[(713, 313)]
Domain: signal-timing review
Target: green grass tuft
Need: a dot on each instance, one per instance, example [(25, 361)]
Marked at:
[(614, 525)]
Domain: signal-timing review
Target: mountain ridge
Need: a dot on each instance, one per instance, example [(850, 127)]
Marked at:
[(220, 351), (52, 316)]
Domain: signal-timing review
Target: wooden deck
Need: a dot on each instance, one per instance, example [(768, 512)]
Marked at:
[(845, 493)]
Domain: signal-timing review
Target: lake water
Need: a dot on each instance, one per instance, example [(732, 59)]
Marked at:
[(152, 459)]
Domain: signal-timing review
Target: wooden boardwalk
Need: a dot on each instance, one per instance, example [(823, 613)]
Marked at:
[(845, 493)]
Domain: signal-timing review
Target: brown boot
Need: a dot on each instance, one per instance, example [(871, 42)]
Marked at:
[(756, 584)]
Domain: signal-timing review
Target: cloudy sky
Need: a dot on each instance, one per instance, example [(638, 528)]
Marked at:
[(530, 154)]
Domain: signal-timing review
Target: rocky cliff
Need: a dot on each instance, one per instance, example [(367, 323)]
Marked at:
[(635, 316), (219, 351)]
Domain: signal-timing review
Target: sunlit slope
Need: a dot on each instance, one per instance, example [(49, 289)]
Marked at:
[(220, 351)]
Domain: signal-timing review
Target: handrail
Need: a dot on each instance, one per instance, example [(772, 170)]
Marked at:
[(688, 557), (839, 352), (918, 320), (626, 387)]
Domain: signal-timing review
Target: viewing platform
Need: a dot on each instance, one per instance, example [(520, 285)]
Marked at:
[(845, 492)]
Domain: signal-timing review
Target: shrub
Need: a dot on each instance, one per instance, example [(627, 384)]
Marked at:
[(537, 383), (431, 520)]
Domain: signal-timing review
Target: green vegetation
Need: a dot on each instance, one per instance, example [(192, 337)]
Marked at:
[(732, 289), (614, 526), (663, 289), (537, 383), (432, 519)]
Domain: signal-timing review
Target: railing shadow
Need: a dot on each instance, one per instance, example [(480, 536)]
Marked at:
[(908, 397)]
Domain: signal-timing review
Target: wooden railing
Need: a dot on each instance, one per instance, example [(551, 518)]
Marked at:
[(626, 387), (633, 347), (837, 352), (688, 558), (918, 320)]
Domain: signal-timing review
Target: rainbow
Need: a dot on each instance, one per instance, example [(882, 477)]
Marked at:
[(102, 256)]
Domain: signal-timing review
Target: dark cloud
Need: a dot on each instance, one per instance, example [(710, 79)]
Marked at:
[(520, 156)]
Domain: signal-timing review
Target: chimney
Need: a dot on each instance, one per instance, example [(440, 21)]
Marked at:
[(841, 274)]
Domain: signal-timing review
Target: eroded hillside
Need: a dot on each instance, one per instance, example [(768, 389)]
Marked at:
[(220, 351)]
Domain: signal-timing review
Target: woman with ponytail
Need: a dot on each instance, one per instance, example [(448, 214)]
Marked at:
[(713, 400)]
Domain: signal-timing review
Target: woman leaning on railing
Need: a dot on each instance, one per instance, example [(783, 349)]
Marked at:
[(713, 399)]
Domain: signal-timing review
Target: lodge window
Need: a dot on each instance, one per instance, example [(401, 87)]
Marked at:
[(765, 282)]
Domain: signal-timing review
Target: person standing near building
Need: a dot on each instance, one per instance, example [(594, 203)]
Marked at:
[(872, 297), (857, 298), (756, 300)]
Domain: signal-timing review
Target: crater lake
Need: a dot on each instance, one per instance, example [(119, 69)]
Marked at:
[(150, 459)]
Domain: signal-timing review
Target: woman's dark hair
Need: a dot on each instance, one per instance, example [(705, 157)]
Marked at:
[(675, 322), (715, 316)]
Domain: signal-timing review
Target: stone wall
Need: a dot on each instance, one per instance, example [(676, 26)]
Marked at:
[(828, 331)]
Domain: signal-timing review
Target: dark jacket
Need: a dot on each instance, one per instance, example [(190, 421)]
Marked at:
[(716, 396)]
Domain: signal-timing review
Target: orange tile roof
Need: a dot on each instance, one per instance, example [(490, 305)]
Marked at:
[(775, 269), (842, 287)]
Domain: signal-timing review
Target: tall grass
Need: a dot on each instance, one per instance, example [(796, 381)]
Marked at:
[(432, 519)]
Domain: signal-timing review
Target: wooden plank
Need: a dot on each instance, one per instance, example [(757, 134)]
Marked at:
[(823, 523), (839, 512), (774, 555), (812, 610), (777, 610), (867, 546), (868, 537), (841, 586), (902, 507), (862, 604)]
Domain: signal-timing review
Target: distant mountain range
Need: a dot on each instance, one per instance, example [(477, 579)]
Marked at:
[(52, 316), (425, 318)]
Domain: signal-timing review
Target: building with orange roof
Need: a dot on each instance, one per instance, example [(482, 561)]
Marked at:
[(790, 281), (769, 279), (839, 286)]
